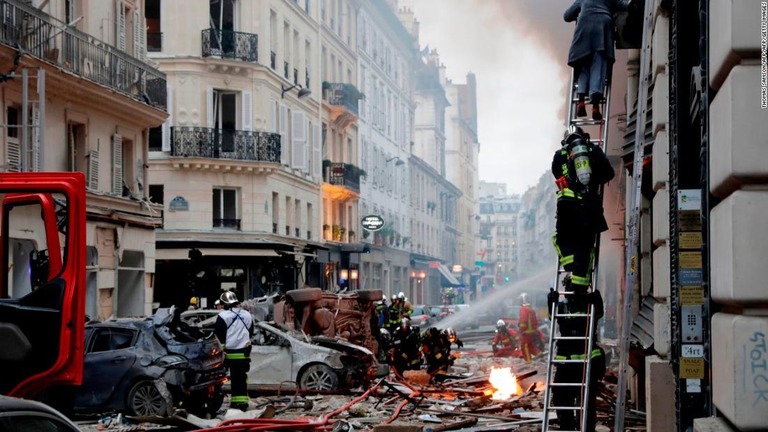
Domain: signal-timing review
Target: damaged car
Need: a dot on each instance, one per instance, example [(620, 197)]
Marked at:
[(146, 367), (282, 356)]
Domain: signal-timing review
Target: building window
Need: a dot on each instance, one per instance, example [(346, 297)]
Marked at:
[(154, 22), (157, 194), (225, 211)]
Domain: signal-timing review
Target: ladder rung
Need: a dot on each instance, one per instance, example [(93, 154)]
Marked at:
[(554, 384), (571, 337), (566, 408), (578, 122), (571, 315), (569, 361)]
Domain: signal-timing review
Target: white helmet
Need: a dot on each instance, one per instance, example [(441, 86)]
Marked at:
[(405, 322), (500, 323), (401, 296), (229, 298), (524, 299)]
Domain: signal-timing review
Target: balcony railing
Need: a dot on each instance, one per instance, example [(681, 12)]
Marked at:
[(230, 45), (40, 35), (154, 42), (342, 174), (227, 223), (342, 94), (225, 144)]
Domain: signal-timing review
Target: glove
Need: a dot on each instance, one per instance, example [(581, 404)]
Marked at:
[(460, 344), (552, 296)]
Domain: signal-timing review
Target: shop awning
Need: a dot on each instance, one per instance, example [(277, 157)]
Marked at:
[(448, 278), (182, 254)]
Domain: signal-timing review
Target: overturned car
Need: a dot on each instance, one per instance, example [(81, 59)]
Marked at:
[(148, 366), (350, 316)]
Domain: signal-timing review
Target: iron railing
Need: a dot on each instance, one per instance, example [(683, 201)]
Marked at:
[(342, 174), (342, 94), (225, 144), (230, 45), (42, 36), (154, 42), (227, 223)]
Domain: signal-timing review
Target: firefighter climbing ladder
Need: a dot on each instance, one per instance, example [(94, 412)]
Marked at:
[(633, 231), (595, 128)]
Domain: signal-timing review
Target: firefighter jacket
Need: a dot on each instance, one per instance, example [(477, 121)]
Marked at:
[(578, 325), (407, 344), (505, 339), (436, 348), (394, 316), (234, 328), (579, 207), (528, 323)]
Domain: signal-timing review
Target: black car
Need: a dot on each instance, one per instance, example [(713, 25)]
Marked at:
[(148, 366), (17, 415)]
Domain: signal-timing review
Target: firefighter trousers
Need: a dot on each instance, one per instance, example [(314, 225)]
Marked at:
[(576, 252), (238, 363), (571, 395), (528, 345)]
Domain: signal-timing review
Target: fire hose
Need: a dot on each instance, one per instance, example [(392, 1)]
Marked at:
[(259, 424)]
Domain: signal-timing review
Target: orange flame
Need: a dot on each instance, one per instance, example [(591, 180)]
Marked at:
[(505, 383)]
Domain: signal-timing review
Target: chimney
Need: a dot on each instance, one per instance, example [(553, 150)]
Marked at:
[(442, 74)]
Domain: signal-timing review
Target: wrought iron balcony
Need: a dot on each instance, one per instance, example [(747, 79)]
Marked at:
[(230, 45), (343, 95), (342, 174), (227, 223), (42, 36), (199, 142)]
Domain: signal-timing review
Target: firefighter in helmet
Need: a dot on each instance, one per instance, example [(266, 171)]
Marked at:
[(406, 347), (393, 314), (436, 345), (580, 168), (234, 328), (505, 340), (576, 306), (529, 329)]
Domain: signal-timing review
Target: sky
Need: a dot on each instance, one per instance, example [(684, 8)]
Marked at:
[(518, 50)]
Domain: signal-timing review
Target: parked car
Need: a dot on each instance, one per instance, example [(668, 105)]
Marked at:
[(423, 316), (26, 415), (281, 356), (148, 366)]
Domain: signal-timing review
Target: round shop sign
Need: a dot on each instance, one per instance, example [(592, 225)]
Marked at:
[(372, 223)]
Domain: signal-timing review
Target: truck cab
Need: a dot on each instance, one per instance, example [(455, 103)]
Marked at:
[(42, 291)]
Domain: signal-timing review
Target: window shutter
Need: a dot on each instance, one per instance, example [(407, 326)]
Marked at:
[(120, 25), (137, 34), (72, 147), (273, 116), (13, 155), (209, 107), (283, 134), (247, 111), (93, 170), (117, 164), (317, 163), (169, 121), (36, 153), (299, 138)]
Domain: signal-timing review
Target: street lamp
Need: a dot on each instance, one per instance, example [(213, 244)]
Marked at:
[(399, 162), (302, 91)]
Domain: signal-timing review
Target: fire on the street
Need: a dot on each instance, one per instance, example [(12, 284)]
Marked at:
[(505, 383)]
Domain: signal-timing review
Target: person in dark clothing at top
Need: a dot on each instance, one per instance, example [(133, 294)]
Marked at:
[(576, 324), (592, 48)]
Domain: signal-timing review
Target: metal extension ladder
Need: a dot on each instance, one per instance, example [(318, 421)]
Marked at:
[(599, 129), (633, 230)]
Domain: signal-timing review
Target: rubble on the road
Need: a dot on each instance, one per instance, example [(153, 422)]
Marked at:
[(462, 400)]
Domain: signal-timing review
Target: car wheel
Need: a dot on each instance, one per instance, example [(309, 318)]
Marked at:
[(319, 377), (305, 295), (145, 399), (370, 295)]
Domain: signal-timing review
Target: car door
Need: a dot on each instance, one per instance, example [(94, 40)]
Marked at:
[(111, 353), (42, 325), (271, 357)]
